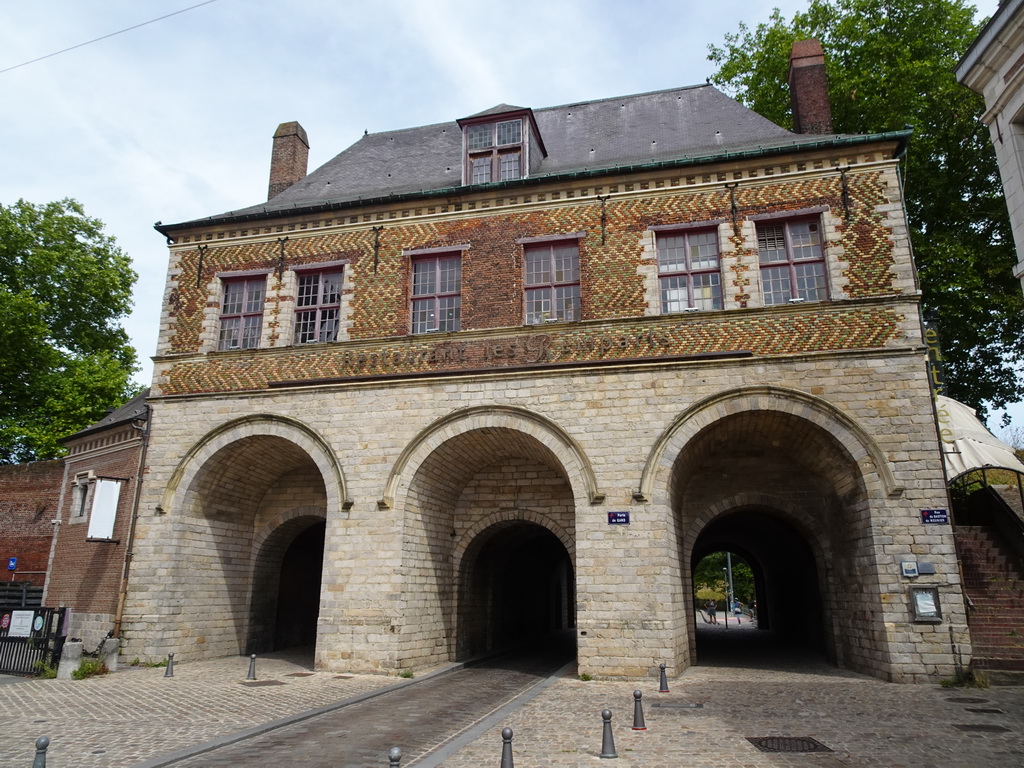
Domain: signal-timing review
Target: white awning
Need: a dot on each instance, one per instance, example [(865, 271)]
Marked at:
[(967, 444)]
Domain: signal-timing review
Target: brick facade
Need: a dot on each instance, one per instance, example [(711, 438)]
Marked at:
[(29, 496), (436, 463)]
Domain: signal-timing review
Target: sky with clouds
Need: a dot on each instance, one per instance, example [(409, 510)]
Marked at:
[(173, 120)]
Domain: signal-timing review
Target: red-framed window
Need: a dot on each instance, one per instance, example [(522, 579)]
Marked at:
[(494, 151), (792, 260), (551, 282), (317, 306), (241, 313), (689, 270), (436, 293)]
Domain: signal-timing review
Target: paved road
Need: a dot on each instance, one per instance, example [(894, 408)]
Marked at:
[(417, 719), (746, 686)]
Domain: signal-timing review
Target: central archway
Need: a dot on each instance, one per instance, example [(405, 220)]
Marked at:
[(516, 585), (461, 477)]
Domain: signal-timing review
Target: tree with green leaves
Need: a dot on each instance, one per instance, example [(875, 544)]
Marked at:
[(709, 578), (890, 65), (64, 359)]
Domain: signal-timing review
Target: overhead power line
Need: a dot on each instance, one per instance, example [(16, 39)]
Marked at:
[(104, 37)]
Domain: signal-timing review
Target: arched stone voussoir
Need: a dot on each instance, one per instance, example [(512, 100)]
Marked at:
[(859, 445), (515, 515), (574, 462), (259, 425), (809, 526), (274, 525)]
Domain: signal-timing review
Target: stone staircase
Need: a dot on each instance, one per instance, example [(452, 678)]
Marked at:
[(994, 582)]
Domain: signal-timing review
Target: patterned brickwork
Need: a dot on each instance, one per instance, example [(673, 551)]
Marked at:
[(790, 332), (492, 285)]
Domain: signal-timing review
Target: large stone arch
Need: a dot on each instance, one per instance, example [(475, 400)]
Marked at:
[(570, 455), (875, 470), (467, 472), (252, 480), (258, 425), (790, 465)]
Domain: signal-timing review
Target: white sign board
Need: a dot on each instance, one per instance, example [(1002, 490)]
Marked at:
[(21, 623)]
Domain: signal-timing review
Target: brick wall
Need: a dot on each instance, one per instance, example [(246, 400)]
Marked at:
[(87, 573), (864, 233), (29, 495)]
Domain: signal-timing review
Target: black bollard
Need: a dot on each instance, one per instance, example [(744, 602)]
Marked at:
[(638, 713), (664, 680), (394, 757), (252, 668), (42, 744), (506, 748), (607, 740), (170, 665)]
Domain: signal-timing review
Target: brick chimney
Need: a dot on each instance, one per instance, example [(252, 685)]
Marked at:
[(289, 158), (808, 88)]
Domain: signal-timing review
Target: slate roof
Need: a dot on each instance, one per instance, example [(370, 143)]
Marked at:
[(133, 409), (690, 122)]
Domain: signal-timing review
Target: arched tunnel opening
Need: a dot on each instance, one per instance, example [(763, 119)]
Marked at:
[(298, 597), (517, 590), (790, 622)]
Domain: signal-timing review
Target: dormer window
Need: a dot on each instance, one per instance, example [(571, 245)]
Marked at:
[(494, 151)]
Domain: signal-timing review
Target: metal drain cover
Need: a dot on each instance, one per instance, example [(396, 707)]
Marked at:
[(967, 700), (986, 710), (260, 683), (787, 744), (981, 728), (299, 674)]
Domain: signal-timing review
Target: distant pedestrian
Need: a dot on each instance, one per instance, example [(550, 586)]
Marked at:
[(712, 608), (737, 608)]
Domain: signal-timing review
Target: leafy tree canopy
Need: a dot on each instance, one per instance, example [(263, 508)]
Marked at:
[(890, 65), (64, 359), (709, 578)]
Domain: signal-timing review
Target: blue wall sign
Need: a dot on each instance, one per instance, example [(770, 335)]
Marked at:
[(618, 518), (12, 563), (935, 516)]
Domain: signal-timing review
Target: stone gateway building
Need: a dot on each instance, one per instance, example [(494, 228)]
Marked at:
[(513, 375)]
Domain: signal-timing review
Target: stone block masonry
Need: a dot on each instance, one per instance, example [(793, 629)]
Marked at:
[(403, 499)]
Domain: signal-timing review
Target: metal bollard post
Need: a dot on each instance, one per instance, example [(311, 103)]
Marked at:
[(638, 713), (42, 744), (607, 741), (506, 748), (170, 665), (252, 668), (664, 680), (394, 757)]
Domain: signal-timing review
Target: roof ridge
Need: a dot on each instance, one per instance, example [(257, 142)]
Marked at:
[(542, 109), (627, 96)]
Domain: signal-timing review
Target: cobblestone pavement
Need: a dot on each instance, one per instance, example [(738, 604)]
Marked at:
[(417, 719), (705, 720), (752, 691), (135, 714)]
